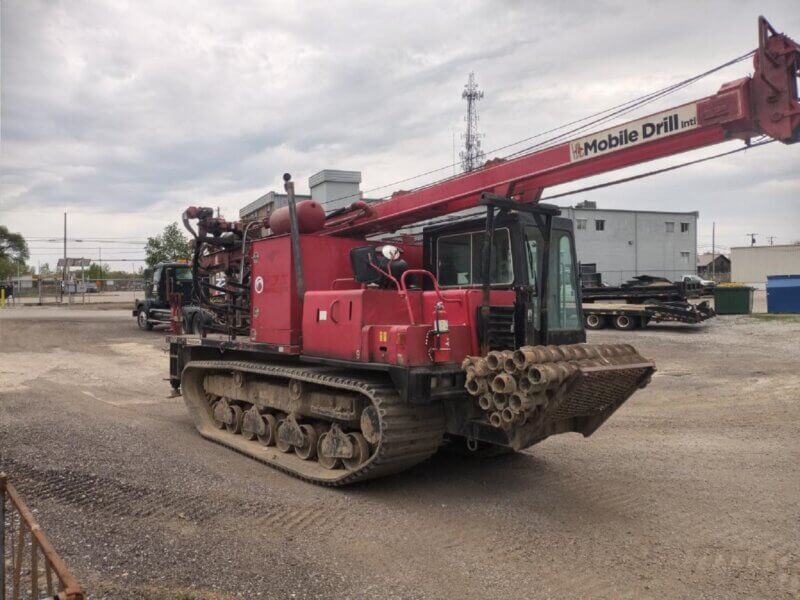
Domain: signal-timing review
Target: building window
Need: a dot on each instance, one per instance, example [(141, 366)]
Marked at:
[(599, 225), (581, 223), (684, 228), (670, 226), (685, 257)]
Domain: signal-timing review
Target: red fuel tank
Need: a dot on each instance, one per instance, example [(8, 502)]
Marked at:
[(310, 218)]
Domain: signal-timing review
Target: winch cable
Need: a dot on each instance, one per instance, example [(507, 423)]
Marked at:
[(658, 171), (598, 118), (643, 101), (606, 184)]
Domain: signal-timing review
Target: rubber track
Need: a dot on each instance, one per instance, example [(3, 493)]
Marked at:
[(410, 434)]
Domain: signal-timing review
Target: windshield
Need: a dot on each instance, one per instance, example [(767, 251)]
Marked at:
[(183, 274)]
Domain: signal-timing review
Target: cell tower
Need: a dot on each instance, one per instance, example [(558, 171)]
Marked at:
[(471, 156)]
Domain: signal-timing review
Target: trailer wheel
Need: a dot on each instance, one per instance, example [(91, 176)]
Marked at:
[(624, 322), (142, 320), (595, 321), (194, 324)]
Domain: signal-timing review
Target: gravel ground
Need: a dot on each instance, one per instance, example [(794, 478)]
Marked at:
[(691, 490)]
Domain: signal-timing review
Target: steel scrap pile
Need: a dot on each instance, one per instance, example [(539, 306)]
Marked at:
[(516, 387)]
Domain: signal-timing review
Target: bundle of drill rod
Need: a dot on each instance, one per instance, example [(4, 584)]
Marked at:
[(515, 387)]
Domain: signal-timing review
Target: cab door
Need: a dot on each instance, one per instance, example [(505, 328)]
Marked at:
[(562, 310), (157, 286)]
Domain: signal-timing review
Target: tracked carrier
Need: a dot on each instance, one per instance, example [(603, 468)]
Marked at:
[(337, 355)]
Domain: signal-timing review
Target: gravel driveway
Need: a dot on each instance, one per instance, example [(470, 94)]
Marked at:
[(691, 490)]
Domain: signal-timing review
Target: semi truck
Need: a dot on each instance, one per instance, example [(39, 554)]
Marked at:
[(168, 300)]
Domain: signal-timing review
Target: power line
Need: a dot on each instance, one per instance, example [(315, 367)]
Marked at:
[(610, 183), (657, 171), (610, 113)]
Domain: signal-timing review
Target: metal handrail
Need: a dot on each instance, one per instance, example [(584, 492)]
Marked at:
[(69, 588)]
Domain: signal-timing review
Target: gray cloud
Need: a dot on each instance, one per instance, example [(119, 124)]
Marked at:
[(125, 112)]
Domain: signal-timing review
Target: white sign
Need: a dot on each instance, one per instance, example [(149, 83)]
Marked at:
[(660, 125)]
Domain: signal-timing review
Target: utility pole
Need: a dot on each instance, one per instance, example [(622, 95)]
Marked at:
[(713, 250), (64, 272), (472, 156), (771, 238), (752, 239)]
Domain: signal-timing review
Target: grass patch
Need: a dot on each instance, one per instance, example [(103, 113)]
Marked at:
[(789, 318)]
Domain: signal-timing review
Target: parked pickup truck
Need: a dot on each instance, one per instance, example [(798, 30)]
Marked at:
[(706, 284)]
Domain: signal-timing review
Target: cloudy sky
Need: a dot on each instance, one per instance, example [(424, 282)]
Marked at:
[(122, 113)]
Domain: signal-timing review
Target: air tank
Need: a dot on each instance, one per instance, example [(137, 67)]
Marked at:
[(310, 218)]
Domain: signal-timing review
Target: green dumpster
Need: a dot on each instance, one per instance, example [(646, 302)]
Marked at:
[(733, 300)]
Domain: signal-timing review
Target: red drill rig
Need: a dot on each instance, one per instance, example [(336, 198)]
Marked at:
[(338, 358)]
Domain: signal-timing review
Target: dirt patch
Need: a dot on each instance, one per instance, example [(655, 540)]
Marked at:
[(690, 490)]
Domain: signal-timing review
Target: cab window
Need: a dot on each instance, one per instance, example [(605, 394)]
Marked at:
[(459, 259), (156, 281), (562, 295), (183, 274), (532, 256)]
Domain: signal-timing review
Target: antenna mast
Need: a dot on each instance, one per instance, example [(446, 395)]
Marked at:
[(471, 156)]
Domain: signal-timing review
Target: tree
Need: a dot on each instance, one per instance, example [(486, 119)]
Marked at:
[(44, 269), (97, 271), (13, 253), (170, 246)]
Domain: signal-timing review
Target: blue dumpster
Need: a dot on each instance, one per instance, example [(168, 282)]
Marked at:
[(783, 293)]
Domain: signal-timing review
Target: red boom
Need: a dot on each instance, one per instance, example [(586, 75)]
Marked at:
[(764, 104)]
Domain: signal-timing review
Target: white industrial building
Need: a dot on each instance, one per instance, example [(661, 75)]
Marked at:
[(625, 243), (752, 264)]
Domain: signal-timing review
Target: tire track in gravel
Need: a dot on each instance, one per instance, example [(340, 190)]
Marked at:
[(97, 493), (440, 538)]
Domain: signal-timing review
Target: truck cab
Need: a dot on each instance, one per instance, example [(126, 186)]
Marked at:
[(162, 281), (534, 291)]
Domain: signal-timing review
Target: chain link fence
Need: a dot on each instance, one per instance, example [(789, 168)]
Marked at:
[(51, 291)]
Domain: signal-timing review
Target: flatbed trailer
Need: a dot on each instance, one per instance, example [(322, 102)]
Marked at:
[(644, 293), (620, 315)]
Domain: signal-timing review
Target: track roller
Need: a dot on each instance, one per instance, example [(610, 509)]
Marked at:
[(324, 456), (360, 451), (370, 425), (281, 441), (235, 416), (252, 424), (219, 411), (308, 449), (270, 433)]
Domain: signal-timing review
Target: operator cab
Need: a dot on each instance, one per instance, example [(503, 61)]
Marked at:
[(532, 257), (168, 278)]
